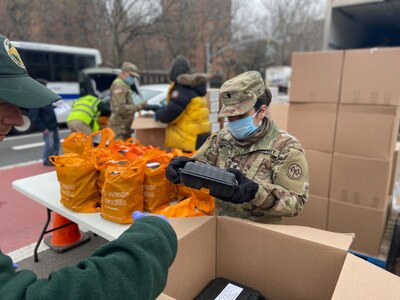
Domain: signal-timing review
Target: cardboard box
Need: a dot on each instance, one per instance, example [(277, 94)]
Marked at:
[(215, 127), (314, 214), (360, 180), (149, 132), (213, 102), (316, 76), (368, 224), (370, 76), (213, 117), (313, 124), (282, 262), (356, 275), (367, 130), (320, 166), (278, 112), (212, 95)]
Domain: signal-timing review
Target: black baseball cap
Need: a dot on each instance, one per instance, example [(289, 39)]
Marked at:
[(16, 87)]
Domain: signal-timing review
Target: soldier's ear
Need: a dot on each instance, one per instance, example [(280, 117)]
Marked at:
[(263, 111)]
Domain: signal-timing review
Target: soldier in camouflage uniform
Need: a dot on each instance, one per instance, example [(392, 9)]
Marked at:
[(269, 163), (121, 103)]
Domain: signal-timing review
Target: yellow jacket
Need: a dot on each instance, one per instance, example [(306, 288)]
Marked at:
[(190, 106)]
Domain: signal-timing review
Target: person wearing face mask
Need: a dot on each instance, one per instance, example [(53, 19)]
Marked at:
[(121, 103), (269, 164)]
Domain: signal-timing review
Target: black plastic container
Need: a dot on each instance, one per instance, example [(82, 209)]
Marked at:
[(198, 175), (225, 289)]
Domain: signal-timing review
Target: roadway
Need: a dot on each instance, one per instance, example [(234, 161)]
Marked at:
[(22, 219), (22, 149)]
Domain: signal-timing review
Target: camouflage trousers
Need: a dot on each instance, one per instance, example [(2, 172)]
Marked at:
[(79, 126)]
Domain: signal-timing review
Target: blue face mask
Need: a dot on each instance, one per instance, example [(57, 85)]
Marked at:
[(129, 80), (242, 128)]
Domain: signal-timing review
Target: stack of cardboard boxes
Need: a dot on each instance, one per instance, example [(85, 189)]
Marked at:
[(314, 97), (344, 110), (214, 107)]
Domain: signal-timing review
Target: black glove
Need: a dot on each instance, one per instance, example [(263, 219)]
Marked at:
[(152, 107), (174, 165), (244, 192)]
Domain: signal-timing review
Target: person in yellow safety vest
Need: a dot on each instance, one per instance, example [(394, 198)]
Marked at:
[(85, 113)]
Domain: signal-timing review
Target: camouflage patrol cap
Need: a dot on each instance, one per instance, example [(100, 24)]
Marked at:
[(239, 94), (130, 68), (16, 87)]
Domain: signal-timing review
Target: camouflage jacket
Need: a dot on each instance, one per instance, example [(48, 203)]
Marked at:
[(270, 157), (122, 109)]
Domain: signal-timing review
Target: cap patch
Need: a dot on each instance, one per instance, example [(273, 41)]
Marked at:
[(13, 53), (294, 171)]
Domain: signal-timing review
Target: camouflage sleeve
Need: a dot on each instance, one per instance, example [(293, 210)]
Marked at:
[(208, 152), (288, 193), (119, 101)]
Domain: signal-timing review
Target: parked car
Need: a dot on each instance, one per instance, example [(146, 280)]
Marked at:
[(155, 94), (102, 79)]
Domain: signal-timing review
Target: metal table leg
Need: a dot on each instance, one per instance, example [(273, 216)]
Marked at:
[(44, 231)]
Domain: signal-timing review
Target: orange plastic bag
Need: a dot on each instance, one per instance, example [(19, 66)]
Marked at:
[(185, 208), (104, 139), (183, 192), (122, 192), (77, 177), (156, 188), (75, 143), (101, 159), (203, 200)]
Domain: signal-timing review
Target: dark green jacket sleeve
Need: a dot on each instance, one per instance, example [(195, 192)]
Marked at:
[(134, 266)]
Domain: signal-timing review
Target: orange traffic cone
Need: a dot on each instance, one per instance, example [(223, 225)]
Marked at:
[(67, 237)]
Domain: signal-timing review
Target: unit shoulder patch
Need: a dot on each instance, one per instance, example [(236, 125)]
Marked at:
[(117, 90), (294, 171)]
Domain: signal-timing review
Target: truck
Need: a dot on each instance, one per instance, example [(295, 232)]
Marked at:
[(361, 24)]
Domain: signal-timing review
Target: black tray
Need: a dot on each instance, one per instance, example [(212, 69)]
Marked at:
[(198, 175), (216, 288)]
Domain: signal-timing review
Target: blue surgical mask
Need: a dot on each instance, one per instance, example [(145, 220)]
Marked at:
[(242, 128), (129, 80)]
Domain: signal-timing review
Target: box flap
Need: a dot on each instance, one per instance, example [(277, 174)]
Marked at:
[(184, 226), (340, 241), (282, 262), (360, 279), (164, 297), (147, 123), (194, 264)]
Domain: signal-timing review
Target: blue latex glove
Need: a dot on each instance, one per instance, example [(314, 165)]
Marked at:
[(15, 265), (137, 215)]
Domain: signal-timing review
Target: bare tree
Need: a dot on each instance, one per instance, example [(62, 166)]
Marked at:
[(16, 18), (127, 20), (285, 26), (294, 25)]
